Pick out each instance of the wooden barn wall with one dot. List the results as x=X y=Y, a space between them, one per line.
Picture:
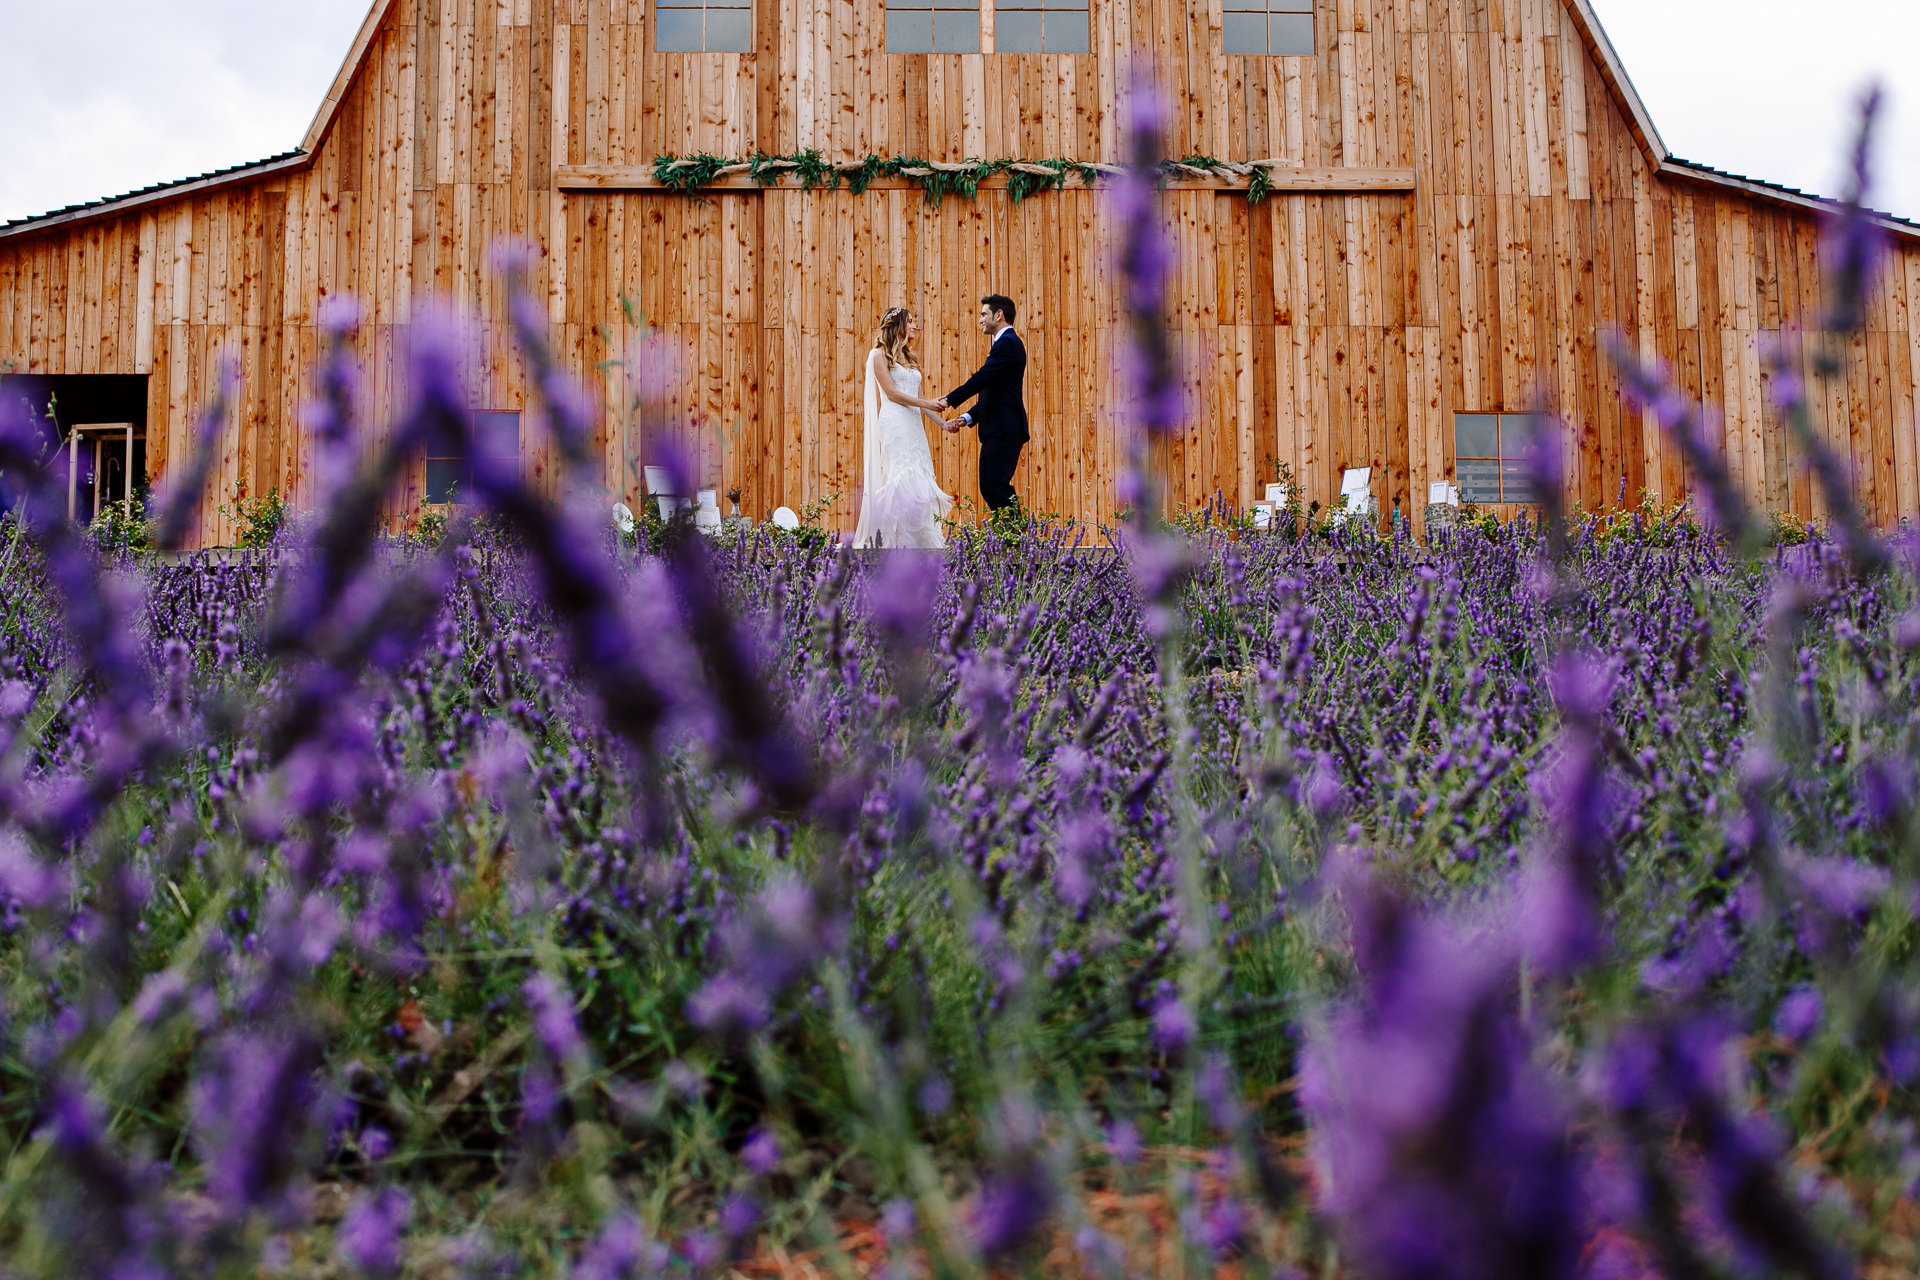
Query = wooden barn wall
x=1323 y=330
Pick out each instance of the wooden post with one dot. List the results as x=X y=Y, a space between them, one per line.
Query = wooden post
x=73 y=474
x=127 y=475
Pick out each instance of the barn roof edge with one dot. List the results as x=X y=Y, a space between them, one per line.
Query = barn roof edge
x=160 y=192
x=349 y=68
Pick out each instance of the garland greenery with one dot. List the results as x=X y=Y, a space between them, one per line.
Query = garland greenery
x=936 y=180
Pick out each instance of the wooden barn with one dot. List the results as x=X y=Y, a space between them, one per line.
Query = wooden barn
x=1465 y=195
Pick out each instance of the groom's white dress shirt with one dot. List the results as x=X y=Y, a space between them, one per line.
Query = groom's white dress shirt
x=967 y=417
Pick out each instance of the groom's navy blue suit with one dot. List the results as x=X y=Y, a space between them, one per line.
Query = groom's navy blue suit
x=1001 y=415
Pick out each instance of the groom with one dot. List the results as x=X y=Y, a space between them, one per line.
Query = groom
x=1001 y=414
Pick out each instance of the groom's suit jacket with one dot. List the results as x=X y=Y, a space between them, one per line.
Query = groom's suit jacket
x=1002 y=411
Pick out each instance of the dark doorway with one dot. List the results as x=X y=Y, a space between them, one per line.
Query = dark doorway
x=89 y=403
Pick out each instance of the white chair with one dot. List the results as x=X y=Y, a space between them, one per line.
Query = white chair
x=623 y=517
x=660 y=489
x=785 y=518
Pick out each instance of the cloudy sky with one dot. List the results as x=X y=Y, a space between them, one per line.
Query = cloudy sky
x=98 y=97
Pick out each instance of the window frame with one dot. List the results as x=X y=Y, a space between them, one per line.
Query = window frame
x=653 y=27
x=983 y=15
x=1508 y=467
x=429 y=457
x=1045 y=9
x=1269 y=11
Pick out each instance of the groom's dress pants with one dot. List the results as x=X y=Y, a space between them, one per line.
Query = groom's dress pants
x=999 y=459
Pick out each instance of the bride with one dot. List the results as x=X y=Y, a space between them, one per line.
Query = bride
x=902 y=504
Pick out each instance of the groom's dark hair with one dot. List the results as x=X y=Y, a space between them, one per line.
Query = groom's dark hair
x=999 y=302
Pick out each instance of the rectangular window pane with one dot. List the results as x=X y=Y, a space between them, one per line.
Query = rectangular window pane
x=1016 y=32
x=729 y=31
x=1076 y=6
x=446 y=479
x=1517 y=431
x=1479 y=481
x=1249 y=6
x=909 y=4
x=1292 y=6
x=680 y=4
x=677 y=30
x=1513 y=483
x=1066 y=33
x=1293 y=34
x=497 y=435
x=909 y=32
x=1001 y=6
x=1244 y=32
x=956 y=31
x=1476 y=435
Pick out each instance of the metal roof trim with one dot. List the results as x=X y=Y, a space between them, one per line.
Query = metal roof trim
x=1776 y=193
x=159 y=194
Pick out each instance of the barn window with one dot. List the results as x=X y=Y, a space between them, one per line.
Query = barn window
x=703 y=26
x=933 y=26
x=450 y=474
x=1268 y=26
x=1040 y=26
x=1490 y=455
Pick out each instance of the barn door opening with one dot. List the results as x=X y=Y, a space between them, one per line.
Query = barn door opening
x=100 y=423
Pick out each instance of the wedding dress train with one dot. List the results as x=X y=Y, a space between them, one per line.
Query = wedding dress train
x=901 y=503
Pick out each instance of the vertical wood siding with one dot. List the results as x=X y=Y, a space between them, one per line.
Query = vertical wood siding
x=1322 y=330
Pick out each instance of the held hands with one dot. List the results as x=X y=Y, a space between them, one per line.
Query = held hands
x=949 y=425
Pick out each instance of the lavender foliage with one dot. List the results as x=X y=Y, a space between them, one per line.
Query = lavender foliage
x=1527 y=901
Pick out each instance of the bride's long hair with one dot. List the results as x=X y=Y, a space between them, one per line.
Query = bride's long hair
x=893 y=339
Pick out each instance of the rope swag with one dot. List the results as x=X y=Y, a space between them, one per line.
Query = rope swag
x=938 y=179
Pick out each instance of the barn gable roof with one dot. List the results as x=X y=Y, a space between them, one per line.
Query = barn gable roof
x=1587 y=26
x=159 y=193
x=349 y=68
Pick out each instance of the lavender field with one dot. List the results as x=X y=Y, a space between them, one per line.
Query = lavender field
x=1168 y=900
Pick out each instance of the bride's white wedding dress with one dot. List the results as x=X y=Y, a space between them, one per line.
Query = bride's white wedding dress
x=901 y=503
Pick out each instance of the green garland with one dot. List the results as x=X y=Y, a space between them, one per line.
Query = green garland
x=936 y=180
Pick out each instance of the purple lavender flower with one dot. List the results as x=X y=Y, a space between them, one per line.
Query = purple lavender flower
x=761 y=1153
x=1647 y=385
x=1173 y=1026
x=255 y=1108
x=1015 y=1202
x=1443 y=1150
x=371 y=1233
x=1675 y=1069
x=739 y=1215
x=621 y=1252
x=553 y=1020
x=1799 y=1015
x=1123 y=1143
x=1146 y=260
x=178 y=502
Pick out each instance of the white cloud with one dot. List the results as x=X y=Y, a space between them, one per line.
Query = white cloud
x=99 y=97
x=1767 y=88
